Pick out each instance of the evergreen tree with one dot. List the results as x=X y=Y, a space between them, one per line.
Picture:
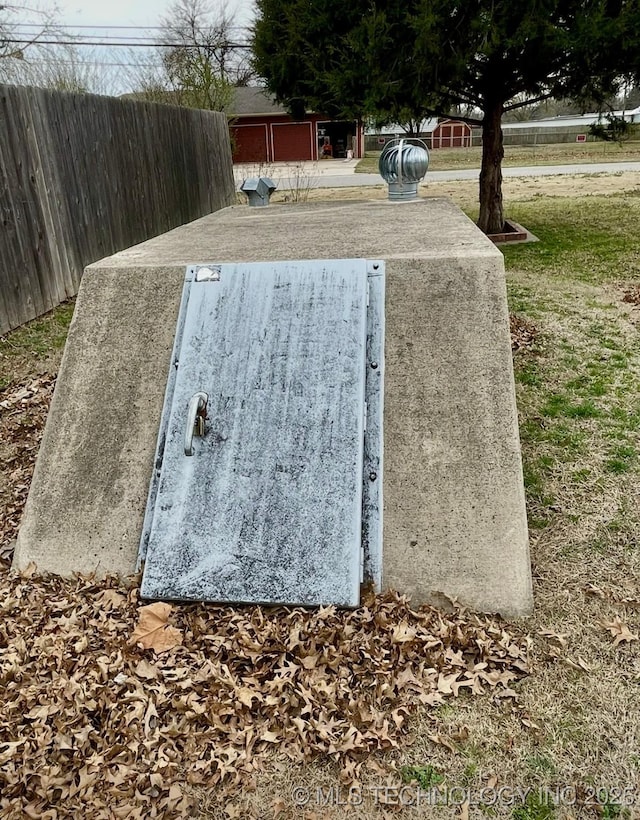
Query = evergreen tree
x=400 y=60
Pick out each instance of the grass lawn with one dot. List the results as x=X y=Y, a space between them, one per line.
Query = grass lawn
x=578 y=394
x=568 y=731
x=447 y=159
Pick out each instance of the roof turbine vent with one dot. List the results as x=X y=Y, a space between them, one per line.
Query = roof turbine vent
x=403 y=163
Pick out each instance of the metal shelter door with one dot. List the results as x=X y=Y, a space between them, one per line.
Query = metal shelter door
x=258 y=491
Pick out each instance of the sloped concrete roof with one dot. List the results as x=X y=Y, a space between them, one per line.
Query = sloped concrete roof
x=454 y=513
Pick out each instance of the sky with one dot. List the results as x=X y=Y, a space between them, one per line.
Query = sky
x=127 y=13
x=108 y=21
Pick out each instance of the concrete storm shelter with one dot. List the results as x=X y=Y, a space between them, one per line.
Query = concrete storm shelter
x=276 y=404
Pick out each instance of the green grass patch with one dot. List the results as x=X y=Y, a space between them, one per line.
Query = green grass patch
x=622 y=459
x=41 y=336
x=614 y=811
x=577 y=393
x=559 y=404
x=540 y=764
x=580 y=239
x=535 y=807
x=34 y=342
x=528 y=373
x=581 y=476
x=560 y=435
x=536 y=483
x=588 y=385
x=523 y=300
x=427 y=777
x=619 y=360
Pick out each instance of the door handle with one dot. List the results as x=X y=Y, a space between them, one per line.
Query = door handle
x=196 y=414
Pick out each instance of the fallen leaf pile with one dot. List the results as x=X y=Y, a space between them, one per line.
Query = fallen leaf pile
x=23 y=411
x=523 y=333
x=90 y=717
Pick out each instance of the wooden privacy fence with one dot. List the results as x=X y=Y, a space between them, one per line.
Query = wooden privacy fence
x=82 y=177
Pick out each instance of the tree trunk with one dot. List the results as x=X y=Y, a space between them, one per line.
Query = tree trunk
x=491 y=219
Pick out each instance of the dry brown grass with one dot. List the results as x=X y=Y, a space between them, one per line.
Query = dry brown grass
x=442 y=159
x=515 y=189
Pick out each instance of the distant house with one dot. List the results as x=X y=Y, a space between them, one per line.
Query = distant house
x=262 y=131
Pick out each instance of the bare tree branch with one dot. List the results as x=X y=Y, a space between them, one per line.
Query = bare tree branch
x=10 y=16
x=526 y=102
x=199 y=56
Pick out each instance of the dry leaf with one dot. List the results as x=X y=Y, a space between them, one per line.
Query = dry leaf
x=403 y=633
x=153 y=630
x=523 y=333
x=443 y=741
x=530 y=724
x=146 y=670
x=8 y=750
x=278 y=806
x=561 y=639
x=460 y=734
x=270 y=737
x=110 y=598
x=507 y=693
x=579 y=663
x=247 y=696
x=619 y=630
x=445 y=683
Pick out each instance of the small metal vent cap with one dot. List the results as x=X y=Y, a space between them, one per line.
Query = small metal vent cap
x=258 y=190
x=403 y=163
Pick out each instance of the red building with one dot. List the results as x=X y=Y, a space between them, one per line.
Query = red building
x=451 y=134
x=262 y=131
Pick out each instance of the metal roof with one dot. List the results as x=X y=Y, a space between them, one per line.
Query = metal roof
x=569 y=121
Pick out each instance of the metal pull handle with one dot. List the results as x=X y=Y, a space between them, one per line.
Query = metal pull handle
x=196 y=415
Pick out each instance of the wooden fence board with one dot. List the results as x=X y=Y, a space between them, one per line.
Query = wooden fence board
x=82 y=177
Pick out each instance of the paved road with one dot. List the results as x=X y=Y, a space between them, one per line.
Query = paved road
x=322 y=180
